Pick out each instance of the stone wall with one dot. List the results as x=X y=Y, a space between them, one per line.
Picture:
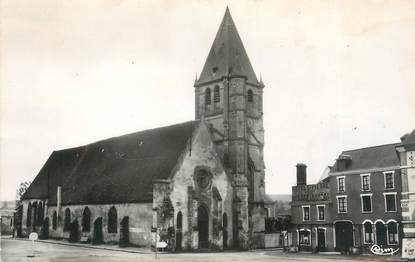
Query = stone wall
x=140 y=221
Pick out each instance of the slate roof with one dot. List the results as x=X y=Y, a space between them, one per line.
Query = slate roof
x=116 y=170
x=227 y=55
x=53 y=173
x=382 y=156
x=408 y=141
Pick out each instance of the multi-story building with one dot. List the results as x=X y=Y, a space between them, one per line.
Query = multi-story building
x=406 y=151
x=366 y=189
x=310 y=213
x=355 y=205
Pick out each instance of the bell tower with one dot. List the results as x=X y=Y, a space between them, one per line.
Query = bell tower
x=228 y=96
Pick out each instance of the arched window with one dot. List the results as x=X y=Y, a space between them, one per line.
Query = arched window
x=29 y=215
x=34 y=214
x=216 y=94
x=392 y=233
x=67 y=220
x=208 y=98
x=368 y=232
x=86 y=220
x=179 y=221
x=54 y=220
x=112 y=220
x=39 y=217
x=250 y=96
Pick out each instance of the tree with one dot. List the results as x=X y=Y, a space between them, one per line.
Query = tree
x=22 y=189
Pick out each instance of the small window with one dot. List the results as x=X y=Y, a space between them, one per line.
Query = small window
x=366 y=203
x=112 y=220
x=342 y=204
x=389 y=180
x=340 y=184
x=368 y=233
x=54 y=220
x=86 y=220
x=306 y=213
x=320 y=213
x=208 y=99
x=67 y=219
x=250 y=96
x=390 y=202
x=365 y=182
x=392 y=233
x=304 y=237
x=216 y=94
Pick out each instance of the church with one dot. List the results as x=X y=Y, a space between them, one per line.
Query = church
x=197 y=185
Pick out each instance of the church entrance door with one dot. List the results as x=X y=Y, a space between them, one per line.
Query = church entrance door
x=124 y=232
x=203 y=226
x=97 y=237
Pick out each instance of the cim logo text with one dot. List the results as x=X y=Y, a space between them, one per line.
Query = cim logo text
x=389 y=251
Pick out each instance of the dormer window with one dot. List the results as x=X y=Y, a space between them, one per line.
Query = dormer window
x=250 y=96
x=216 y=94
x=208 y=99
x=215 y=69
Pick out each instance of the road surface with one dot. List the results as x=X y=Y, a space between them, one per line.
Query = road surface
x=19 y=250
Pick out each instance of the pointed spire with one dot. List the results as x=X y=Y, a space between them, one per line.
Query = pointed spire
x=227 y=55
x=195 y=79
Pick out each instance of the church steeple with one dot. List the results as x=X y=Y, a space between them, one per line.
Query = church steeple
x=227 y=56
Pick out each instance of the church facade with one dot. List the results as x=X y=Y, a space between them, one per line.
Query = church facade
x=195 y=185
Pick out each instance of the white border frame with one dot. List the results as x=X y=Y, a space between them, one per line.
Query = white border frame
x=393 y=179
x=344 y=183
x=324 y=212
x=364 y=232
x=396 y=204
x=387 y=232
x=371 y=203
x=361 y=182
x=337 y=203
x=298 y=234
x=309 y=212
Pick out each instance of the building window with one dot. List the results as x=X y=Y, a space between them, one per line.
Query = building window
x=250 y=96
x=341 y=187
x=208 y=98
x=67 y=219
x=365 y=179
x=216 y=94
x=390 y=202
x=304 y=237
x=320 y=213
x=341 y=204
x=392 y=233
x=389 y=180
x=29 y=215
x=306 y=213
x=366 y=203
x=112 y=220
x=86 y=220
x=54 y=220
x=368 y=232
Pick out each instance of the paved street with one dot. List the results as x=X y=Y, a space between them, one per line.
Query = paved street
x=18 y=250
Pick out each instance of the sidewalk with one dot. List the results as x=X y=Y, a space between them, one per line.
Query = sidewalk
x=138 y=250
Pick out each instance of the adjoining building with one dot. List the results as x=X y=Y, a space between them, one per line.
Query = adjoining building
x=355 y=206
x=198 y=184
x=406 y=151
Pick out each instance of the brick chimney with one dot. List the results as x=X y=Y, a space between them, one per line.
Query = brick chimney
x=301 y=174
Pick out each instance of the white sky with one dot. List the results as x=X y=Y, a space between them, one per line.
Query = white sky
x=339 y=75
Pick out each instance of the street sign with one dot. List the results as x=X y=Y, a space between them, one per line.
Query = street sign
x=33 y=236
x=161 y=244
